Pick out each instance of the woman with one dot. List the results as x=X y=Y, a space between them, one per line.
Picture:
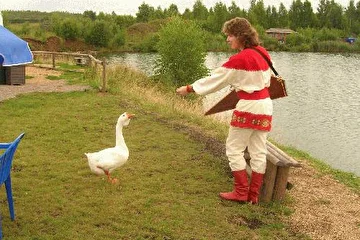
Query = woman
x=249 y=74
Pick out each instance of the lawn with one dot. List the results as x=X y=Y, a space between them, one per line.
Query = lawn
x=168 y=189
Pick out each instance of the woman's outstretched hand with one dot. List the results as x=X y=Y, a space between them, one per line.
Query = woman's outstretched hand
x=182 y=91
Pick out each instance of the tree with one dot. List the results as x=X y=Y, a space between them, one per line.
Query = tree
x=257 y=13
x=172 y=11
x=283 y=16
x=181 y=51
x=330 y=14
x=200 y=12
x=322 y=13
x=295 y=14
x=187 y=14
x=158 y=13
x=124 y=21
x=99 y=34
x=301 y=15
x=69 y=29
x=90 y=14
x=336 y=16
x=119 y=39
x=217 y=17
x=235 y=11
x=145 y=13
x=308 y=15
x=353 y=18
x=272 y=16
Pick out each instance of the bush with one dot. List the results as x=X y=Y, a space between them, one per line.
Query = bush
x=295 y=39
x=118 y=40
x=182 y=52
x=148 y=44
x=326 y=34
x=332 y=46
x=99 y=34
x=270 y=43
x=69 y=29
x=216 y=42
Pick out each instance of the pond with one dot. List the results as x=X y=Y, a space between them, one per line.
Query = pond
x=321 y=115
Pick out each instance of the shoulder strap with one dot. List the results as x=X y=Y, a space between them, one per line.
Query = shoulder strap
x=266 y=59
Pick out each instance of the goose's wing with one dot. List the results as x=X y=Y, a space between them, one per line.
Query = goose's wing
x=108 y=159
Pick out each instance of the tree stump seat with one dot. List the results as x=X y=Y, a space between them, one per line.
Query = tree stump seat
x=276 y=176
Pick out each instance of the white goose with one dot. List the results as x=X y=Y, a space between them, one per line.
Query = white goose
x=107 y=160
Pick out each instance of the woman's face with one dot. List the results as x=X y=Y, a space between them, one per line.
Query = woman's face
x=233 y=42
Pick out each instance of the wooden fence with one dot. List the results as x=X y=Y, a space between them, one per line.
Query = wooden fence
x=80 y=59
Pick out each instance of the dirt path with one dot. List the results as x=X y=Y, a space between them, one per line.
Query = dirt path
x=324 y=208
x=38 y=83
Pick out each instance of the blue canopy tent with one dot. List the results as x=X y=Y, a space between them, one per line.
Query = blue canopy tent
x=13 y=50
x=14 y=54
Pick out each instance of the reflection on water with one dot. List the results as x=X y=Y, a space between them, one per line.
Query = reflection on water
x=321 y=115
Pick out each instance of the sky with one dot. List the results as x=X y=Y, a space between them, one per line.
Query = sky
x=130 y=7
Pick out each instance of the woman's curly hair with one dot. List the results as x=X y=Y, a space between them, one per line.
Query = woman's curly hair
x=242 y=30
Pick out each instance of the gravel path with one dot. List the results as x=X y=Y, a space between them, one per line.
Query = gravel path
x=324 y=208
x=38 y=83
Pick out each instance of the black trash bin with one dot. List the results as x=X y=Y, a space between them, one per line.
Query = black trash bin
x=15 y=75
x=2 y=75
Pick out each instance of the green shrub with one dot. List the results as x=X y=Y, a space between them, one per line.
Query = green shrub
x=99 y=34
x=182 y=52
x=326 y=34
x=270 y=43
x=331 y=46
x=295 y=39
x=215 y=42
x=148 y=44
x=69 y=29
x=118 y=40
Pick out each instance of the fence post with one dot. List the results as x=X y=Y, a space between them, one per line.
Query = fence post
x=103 y=89
x=53 y=60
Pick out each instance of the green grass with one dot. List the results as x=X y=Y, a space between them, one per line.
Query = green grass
x=168 y=189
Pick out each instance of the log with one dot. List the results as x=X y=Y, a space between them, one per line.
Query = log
x=268 y=183
x=275 y=160
x=289 y=160
x=281 y=183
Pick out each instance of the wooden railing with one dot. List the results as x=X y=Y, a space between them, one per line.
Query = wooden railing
x=79 y=58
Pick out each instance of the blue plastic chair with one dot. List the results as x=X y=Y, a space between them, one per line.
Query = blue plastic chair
x=5 y=168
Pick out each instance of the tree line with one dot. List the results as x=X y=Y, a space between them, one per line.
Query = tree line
x=329 y=14
x=329 y=22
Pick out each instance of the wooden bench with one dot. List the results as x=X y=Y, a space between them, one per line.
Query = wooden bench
x=276 y=176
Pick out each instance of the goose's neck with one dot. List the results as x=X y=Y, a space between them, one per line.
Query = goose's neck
x=120 y=142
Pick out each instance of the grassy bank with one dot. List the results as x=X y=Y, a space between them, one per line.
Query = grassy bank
x=167 y=190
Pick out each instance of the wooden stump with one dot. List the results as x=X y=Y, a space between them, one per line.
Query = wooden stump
x=276 y=176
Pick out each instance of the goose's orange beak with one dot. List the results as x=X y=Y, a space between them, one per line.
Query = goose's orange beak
x=129 y=115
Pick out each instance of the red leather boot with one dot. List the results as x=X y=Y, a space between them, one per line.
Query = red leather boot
x=255 y=186
x=241 y=188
